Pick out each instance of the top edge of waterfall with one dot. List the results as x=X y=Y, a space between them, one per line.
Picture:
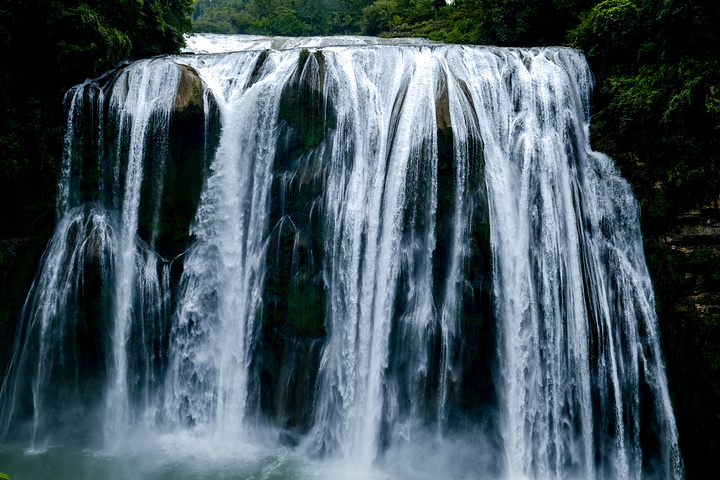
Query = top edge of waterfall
x=214 y=43
x=208 y=43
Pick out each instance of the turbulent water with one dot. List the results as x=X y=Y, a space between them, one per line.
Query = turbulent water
x=339 y=257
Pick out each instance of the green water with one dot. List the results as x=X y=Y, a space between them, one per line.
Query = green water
x=181 y=458
x=62 y=463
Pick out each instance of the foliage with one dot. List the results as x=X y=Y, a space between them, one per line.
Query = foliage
x=658 y=81
x=4 y=477
x=518 y=22
x=378 y=15
x=610 y=31
x=500 y=22
x=284 y=21
x=86 y=39
x=278 y=17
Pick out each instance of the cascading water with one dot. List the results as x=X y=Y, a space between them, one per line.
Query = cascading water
x=376 y=251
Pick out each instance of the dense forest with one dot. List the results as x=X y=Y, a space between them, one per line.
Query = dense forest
x=656 y=112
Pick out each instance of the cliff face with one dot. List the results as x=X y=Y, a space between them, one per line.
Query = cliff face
x=21 y=256
x=685 y=264
x=25 y=237
x=695 y=228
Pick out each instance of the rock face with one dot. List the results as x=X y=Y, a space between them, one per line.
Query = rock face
x=696 y=227
x=685 y=264
x=165 y=220
x=294 y=295
x=189 y=99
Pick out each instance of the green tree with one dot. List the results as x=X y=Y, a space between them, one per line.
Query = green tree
x=378 y=15
x=281 y=17
x=522 y=22
x=283 y=21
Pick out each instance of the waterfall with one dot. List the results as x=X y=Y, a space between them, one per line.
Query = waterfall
x=355 y=246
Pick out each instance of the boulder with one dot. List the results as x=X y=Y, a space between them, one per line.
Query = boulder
x=189 y=99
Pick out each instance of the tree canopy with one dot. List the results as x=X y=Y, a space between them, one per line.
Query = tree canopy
x=501 y=22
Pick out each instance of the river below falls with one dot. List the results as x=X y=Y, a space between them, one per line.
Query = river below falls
x=178 y=457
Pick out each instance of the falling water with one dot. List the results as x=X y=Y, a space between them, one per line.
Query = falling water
x=360 y=247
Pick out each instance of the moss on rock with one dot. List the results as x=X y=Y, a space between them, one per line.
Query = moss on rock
x=174 y=173
x=189 y=98
x=304 y=108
